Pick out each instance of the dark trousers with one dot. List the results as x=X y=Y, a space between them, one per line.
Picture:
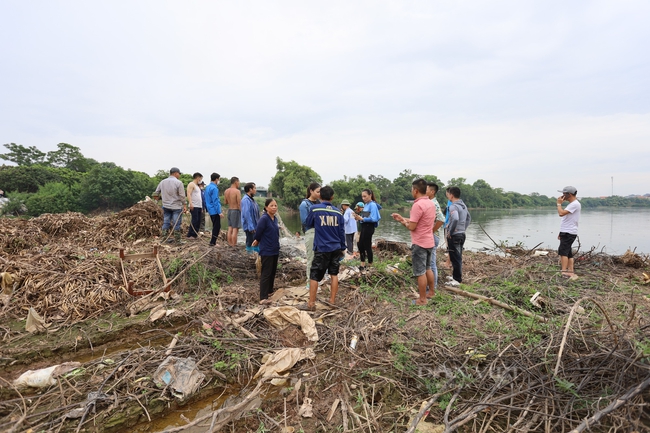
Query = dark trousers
x=250 y=237
x=455 y=248
x=197 y=214
x=202 y=225
x=365 y=241
x=267 y=276
x=349 y=241
x=216 y=228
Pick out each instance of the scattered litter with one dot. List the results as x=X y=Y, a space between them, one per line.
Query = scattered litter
x=393 y=269
x=159 y=312
x=45 y=376
x=6 y=287
x=35 y=322
x=283 y=360
x=538 y=301
x=180 y=375
x=539 y=253
x=306 y=410
x=281 y=317
x=475 y=355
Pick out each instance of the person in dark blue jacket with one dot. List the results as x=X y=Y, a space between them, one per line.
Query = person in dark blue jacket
x=267 y=237
x=329 y=244
x=250 y=214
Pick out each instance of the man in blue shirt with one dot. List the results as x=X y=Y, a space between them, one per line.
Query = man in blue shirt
x=250 y=214
x=329 y=244
x=213 y=204
x=350 y=225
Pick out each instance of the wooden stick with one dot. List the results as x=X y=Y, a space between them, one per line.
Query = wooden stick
x=620 y=401
x=565 y=334
x=333 y=409
x=493 y=301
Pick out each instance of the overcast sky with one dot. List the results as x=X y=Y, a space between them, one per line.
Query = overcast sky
x=530 y=96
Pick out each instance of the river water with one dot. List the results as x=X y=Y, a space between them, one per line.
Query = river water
x=612 y=229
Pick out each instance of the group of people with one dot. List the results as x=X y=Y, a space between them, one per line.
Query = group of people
x=329 y=231
x=202 y=200
x=425 y=223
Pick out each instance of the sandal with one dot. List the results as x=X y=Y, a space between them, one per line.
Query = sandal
x=266 y=302
x=306 y=307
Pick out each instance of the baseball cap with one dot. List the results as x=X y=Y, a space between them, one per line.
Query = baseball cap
x=569 y=189
x=174 y=170
x=347 y=202
x=360 y=204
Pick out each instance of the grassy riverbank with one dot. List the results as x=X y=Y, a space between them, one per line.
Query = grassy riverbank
x=480 y=366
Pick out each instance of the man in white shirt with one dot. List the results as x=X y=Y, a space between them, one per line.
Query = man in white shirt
x=568 y=228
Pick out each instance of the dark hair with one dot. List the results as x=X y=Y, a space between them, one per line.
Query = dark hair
x=312 y=187
x=433 y=186
x=268 y=202
x=454 y=191
x=233 y=179
x=326 y=193
x=420 y=185
x=249 y=186
x=214 y=176
x=370 y=193
x=197 y=174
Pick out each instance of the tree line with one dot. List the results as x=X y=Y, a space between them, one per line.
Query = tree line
x=65 y=180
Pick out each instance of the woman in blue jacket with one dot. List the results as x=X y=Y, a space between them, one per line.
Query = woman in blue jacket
x=267 y=236
x=369 y=220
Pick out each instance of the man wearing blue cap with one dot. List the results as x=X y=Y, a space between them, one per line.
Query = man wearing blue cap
x=568 y=228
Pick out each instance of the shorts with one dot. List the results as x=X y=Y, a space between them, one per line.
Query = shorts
x=322 y=262
x=234 y=218
x=566 y=240
x=421 y=258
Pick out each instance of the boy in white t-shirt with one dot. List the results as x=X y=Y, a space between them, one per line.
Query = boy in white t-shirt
x=568 y=228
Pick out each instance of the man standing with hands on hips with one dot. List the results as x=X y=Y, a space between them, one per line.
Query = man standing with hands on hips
x=568 y=228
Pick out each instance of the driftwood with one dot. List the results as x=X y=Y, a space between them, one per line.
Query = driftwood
x=400 y=248
x=493 y=301
x=620 y=401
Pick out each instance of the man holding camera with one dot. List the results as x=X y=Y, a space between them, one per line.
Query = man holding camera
x=568 y=228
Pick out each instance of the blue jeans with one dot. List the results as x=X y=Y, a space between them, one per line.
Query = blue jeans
x=434 y=265
x=172 y=216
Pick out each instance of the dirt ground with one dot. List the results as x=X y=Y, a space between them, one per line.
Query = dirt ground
x=478 y=358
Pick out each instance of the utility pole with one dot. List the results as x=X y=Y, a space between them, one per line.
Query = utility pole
x=612 y=186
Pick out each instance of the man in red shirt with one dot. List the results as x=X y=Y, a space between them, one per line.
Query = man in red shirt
x=420 y=223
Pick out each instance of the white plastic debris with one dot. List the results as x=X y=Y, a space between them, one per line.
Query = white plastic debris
x=45 y=376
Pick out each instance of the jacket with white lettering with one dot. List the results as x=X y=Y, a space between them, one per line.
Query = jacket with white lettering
x=327 y=221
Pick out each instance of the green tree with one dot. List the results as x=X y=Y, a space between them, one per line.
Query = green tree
x=402 y=186
x=108 y=186
x=70 y=157
x=24 y=178
x=384 y=189
x=350 y=188
x=21 y=155
x=291 y=181
x=54 y=197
